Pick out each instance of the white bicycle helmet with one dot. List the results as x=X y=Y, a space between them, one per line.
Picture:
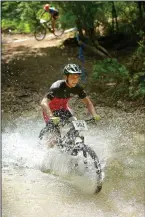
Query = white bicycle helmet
x=72 y=69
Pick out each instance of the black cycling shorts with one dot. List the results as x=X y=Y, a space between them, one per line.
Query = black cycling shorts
x=55 y=15
x=52 y=128
x=63 y=114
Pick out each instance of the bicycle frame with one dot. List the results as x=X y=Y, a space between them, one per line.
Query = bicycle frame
x=68 y=141
x=46 y=23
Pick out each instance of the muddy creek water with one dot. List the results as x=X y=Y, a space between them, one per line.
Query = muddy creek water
x=27 y=191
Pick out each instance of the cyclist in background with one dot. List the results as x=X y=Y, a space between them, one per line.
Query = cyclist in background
x=54 y=14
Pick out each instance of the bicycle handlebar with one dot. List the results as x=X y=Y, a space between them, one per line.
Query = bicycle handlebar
x=75 y=119
x=90 y=120
x=86 y=120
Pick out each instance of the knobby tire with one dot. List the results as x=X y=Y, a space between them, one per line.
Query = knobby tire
x=40 y=30
x=88 y=151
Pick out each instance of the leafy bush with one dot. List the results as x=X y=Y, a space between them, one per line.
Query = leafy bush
x=141 y=48
x=68 y=19
x=137 y=72
x=110 y=70
x=24 y=27
x=136 y=63
x=137 y=86
x=16 y=27
x=9 y=24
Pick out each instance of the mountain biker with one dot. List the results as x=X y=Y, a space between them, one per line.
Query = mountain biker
x=55 y=102
x=53 y=12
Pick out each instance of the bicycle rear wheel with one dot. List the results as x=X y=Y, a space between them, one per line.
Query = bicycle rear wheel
x=40 y=33
x=91 y=164
x=59 y=28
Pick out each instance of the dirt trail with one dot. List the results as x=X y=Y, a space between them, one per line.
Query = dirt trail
x=22 y=44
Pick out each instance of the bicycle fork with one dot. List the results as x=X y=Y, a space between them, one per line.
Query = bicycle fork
x=80 y=147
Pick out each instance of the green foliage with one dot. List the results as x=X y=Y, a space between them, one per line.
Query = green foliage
x=87 y=13
x=10 y=10
x=68 y=19
x=24 y=27
x=9 y=24
x=141 y=48
x=81 y=13
x=110 y=70
x=21 y=16
x=136 y=63
x=137 y=86
x=137 y=82
x=111 y=77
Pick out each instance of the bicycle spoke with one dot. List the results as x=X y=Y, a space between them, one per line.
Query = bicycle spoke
x=40 y=33
x=59 y=29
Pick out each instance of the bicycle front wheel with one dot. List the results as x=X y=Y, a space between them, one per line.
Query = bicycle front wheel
x=40 y=33
x=59 y=28
x=90 y=165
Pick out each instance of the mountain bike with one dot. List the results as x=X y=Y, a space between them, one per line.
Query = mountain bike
x=73 y=144
x=44 y=26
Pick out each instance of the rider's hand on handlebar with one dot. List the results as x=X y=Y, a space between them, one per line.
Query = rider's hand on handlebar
x=55 y=120
x=97 y=117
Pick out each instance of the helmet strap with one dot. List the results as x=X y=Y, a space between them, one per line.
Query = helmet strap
x=68 y=82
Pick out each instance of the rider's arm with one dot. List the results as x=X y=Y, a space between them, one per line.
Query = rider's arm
x=42 y=13
x=89 y=106
x=45 y=106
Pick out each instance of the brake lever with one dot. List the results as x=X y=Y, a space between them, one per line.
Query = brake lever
x=90 y=120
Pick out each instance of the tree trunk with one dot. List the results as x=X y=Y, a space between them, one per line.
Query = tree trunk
x=95 y=51
x=143 y=4
x=140 y=11
x=141 y=8
x=79 y=27
x=91 y=43
x=114 y=18
x=86 y=22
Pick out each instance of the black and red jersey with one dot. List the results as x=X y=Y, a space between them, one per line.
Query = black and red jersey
x=59 y=94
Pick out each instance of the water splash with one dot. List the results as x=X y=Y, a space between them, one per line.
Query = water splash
x=21 y=149
x=122 y=159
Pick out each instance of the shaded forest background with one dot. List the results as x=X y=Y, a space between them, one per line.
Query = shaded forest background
x=101 y=26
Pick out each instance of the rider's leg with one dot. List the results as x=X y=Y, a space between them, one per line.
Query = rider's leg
x=52 y=130
x=50 y=134
x=64 y=114
x=54 y=18
x=53 y=24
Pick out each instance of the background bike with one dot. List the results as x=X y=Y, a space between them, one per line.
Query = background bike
x=73 y=144
x=44 y=26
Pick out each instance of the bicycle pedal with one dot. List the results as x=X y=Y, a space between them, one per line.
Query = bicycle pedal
x=50 y=30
